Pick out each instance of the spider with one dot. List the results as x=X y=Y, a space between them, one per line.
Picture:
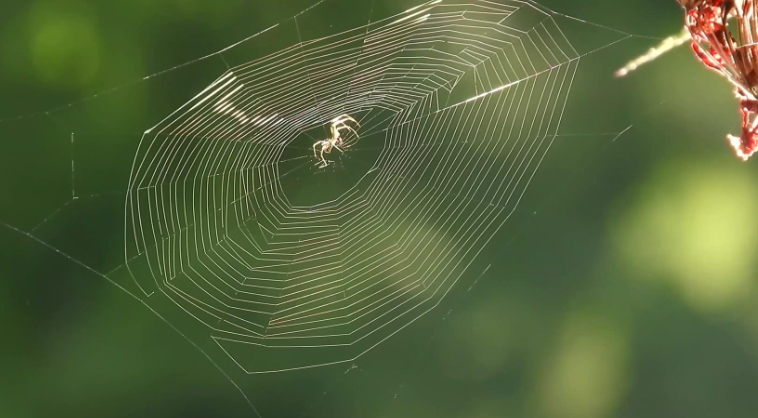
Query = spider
x=335 y=141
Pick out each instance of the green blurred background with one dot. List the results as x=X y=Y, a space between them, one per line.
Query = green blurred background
x=624 y=286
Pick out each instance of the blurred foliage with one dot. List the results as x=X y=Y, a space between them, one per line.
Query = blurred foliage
x=625 y=286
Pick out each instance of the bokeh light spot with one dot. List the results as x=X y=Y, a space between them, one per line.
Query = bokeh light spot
x=585 y=378
x=64 y=44
x=693 y=226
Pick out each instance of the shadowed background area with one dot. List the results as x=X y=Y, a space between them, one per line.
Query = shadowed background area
x=623 y=285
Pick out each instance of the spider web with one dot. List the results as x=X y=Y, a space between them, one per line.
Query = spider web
x=267 y=262
x=209 y=213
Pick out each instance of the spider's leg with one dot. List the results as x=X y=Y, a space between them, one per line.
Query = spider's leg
x=340 y=120
x=347 y=127
x=343 y=126
x=319 y=154
x=323 y=160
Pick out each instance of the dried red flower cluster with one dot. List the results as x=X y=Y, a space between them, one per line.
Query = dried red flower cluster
x=734 y=56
